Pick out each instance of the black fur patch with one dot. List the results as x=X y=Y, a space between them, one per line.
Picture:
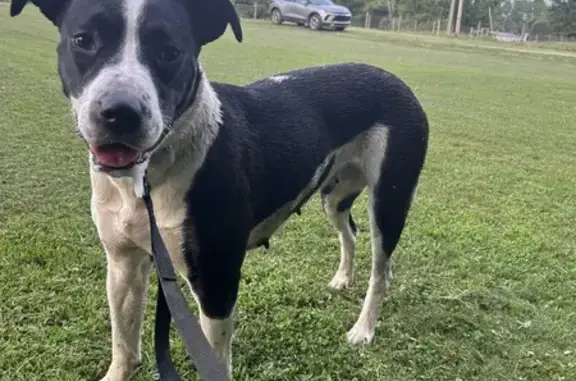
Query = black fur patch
x=273 y=138
x=347 y=202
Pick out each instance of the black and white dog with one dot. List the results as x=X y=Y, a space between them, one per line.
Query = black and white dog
x=227 y=164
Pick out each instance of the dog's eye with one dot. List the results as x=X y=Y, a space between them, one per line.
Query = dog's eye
x=168 y=54
x=83 y=41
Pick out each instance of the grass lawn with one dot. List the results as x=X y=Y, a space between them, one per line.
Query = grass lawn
x=485 y=285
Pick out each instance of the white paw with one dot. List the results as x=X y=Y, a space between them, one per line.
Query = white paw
x=360 y=334
x=120 y=373
x=114 y=378
x=340 y=281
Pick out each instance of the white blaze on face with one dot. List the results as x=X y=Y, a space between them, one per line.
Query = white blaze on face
x=125 y=72
x=133 y=10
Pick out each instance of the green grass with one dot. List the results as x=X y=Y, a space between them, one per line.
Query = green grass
x=561 y=49
x=485 y=285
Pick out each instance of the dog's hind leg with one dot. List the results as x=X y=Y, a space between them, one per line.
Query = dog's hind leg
x=337 y=199
x=392 y=161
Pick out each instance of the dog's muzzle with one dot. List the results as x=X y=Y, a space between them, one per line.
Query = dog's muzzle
x=122 y=121
x=120 y=113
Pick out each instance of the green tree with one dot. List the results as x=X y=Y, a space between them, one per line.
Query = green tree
x=519 y=16
x=422 y=9
x=562 y=17
x=528 y=12
x=355 y=6
x=477 y=11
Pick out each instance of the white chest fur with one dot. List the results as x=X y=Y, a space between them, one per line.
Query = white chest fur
x=122 y=220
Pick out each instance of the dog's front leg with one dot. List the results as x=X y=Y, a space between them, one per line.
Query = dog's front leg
x=218 y=331
x=216 y=292
x=126 y=283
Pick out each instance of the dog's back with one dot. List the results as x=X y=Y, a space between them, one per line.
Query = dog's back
x=342 y=98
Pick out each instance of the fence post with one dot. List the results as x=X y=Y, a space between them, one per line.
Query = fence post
x=255 y=9
x=449 y=27
x=459 y=17
x=438 y=30
x=368 y=20
x=415 y=25
x=399 y=23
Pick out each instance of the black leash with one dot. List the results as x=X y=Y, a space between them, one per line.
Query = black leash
x=171 y=304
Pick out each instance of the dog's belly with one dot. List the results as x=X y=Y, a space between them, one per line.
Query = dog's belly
x=260 y=235
x=262 y=232
x=360 y=152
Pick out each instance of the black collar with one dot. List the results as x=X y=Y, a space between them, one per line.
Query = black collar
x=190 y=97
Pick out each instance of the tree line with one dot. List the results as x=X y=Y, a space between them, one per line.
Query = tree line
x=537 y=17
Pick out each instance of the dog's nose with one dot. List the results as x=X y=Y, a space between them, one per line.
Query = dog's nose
x=120 y=113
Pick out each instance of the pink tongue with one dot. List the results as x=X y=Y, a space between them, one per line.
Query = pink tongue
x=114 y=155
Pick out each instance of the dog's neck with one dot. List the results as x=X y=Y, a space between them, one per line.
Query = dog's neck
x=192 y=134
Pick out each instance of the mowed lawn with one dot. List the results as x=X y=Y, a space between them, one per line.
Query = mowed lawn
x=485 y=280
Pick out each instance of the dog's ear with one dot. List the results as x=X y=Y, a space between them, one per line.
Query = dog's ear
x=211 y=18
x=52 y=9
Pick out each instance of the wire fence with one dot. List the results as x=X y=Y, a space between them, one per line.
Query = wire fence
x=259 y=9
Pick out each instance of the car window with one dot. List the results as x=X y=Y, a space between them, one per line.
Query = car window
x=321 y=2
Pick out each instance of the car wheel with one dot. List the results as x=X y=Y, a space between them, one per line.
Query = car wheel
x=276 y=16
x=315 y=22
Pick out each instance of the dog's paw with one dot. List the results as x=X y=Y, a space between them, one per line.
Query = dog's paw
x=113 y=377
x=120 y=373
x=340 y=281
x=360 y=334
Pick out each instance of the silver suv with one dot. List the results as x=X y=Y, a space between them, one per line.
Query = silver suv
x=317 y=14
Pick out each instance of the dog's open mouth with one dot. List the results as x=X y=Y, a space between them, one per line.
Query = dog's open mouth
x=116 y=156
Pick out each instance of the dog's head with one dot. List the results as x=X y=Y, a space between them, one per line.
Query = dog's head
x=130 y=67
